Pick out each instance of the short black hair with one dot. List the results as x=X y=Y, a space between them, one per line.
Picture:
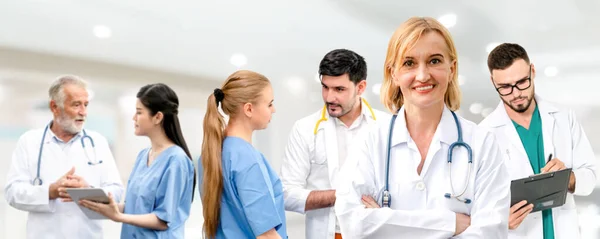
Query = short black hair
x=504 y=55
x=344 y=61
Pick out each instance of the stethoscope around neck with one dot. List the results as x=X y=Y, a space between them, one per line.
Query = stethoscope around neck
x=386 y=200
x=324 y=115
x=37 y=180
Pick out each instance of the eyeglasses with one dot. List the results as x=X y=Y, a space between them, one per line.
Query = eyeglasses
x=522 y=84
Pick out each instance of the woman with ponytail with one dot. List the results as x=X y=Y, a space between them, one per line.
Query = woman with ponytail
x=161 y=185
x=242 y=196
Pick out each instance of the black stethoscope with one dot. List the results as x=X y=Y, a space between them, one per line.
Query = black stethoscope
x=37 y=180
x=387 y=198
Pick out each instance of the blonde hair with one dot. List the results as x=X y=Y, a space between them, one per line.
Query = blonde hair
x=240 y=88
x=404 y=39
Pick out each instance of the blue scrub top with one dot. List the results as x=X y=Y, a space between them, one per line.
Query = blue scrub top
x=252 y=198
x=164 y=188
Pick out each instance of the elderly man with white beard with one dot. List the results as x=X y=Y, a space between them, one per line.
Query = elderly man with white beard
x=61 y=155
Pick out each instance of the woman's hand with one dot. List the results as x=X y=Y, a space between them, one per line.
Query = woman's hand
x=369 y=202
x=110 y=210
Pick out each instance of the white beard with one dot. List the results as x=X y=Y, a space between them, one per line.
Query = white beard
x=68 y=124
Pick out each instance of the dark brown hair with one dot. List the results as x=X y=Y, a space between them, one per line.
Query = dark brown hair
x=504 y=55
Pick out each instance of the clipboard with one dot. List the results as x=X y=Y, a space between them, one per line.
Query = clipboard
x=544 y=191
x=92 y=194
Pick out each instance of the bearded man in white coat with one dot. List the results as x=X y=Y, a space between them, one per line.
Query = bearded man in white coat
x=537 y=136
x=319 y=143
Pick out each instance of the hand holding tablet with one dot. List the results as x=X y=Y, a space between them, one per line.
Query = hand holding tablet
x=92 y=194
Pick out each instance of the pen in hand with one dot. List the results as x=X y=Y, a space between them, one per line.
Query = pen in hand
x=544 y=169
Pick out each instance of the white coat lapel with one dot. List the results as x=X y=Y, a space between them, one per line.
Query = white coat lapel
x=446 y=132
x=514 y=148
x=511 y=133
x=331 y=149
x=516 y=154
x=546 y=112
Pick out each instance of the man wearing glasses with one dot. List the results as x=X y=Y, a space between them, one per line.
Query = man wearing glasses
x=537 y=137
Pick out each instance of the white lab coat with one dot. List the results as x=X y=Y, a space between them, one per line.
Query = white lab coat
x=311 y=163
x=418 y=206
x=51 y=219
x=565 y=139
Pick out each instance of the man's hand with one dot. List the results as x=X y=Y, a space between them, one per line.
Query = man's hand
x=69 y=180
x=73 y=181
x=53 y=191
x=318 y=199
x=76 y=181
x=556 y=165
x=572 y=182
x=517 y=215
x=553 y=165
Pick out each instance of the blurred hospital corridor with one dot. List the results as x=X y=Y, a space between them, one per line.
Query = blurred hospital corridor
x=119 y=46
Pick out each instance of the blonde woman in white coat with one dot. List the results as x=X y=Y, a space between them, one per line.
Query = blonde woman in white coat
x=428 y=197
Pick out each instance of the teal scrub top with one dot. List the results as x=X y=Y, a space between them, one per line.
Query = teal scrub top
x=533 y=142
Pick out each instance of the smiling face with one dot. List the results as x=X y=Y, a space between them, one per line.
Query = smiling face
x=424 y=72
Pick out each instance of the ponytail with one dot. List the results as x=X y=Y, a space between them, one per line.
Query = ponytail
x=212 y=184
x=240 y=87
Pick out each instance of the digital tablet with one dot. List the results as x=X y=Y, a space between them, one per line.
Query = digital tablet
x=91 y=194
x=544 y=191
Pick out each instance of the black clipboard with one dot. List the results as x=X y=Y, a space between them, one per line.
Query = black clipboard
x=544 y=191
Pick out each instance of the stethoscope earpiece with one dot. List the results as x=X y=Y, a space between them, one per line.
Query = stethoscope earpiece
x=466 y=200
x=99 y=162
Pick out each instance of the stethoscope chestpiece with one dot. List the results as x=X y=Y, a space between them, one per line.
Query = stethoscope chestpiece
x=37 y=181
x=386 y=199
